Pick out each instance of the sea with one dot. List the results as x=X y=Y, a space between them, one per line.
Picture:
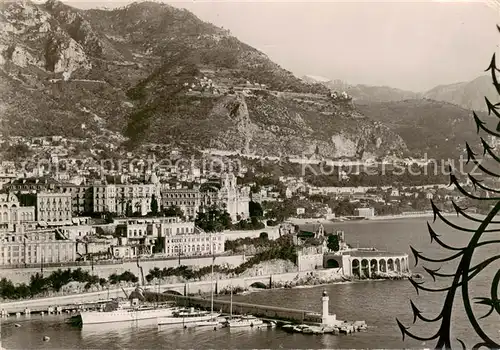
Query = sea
x=379 y=303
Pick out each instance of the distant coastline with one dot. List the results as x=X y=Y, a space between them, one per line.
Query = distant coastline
x=309 y=221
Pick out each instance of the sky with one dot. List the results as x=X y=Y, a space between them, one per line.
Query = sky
x=408 y=45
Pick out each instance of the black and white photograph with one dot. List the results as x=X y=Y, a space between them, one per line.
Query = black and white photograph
x=249 y=174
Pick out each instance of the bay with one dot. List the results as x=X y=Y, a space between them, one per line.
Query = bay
x=379 y=303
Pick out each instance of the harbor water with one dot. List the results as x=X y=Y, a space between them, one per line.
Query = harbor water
x=378 y=303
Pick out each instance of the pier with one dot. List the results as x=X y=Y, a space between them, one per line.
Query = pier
x=240 y=308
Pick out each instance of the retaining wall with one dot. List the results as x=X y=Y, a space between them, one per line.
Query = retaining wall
x=182 y=288
x=23 y=275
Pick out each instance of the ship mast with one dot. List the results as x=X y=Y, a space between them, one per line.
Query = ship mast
x=212 y=278
x=231 y=303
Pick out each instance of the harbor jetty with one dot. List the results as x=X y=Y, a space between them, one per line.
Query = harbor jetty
x=285 y=316
x=292 y=320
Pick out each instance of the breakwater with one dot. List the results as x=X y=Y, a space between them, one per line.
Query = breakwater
x=241 y=308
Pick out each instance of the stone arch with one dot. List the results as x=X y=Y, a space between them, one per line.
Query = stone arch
x=332 y=263
x=374 y=266
x=390 y=264
x=355 y=267
x=174 y=292
x=404 y=264
x=365 y=268
x=398 y=265
x=382 y=265
x=258 y=285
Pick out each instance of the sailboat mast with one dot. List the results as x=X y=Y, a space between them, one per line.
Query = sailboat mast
x=212 y=277
x=231 y=303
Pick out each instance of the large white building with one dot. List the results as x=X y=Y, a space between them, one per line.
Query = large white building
x=35 y=247
x=116 y=198
x=166 y=235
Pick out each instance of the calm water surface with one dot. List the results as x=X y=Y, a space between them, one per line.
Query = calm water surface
x=376 y=302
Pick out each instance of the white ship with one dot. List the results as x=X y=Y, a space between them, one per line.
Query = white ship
x=245 y=321
x=125 y=314
x=189 y=317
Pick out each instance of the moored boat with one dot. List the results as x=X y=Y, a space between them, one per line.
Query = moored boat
x=245 y=321
x=125 y=314
x=209 y=323
x=191 y=316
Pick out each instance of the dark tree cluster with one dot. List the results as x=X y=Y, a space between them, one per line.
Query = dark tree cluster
x=40 y=285
x=213 y=220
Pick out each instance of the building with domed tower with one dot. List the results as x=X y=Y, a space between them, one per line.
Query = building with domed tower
x=229 y=196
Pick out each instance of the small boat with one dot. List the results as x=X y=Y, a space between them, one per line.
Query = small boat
x=245 y=321
x=271 y=324
x=209 y=323
x=189 y=317
x=307 y=330
x=328 y=330
x=300 y=328
x=289 y=328
x=316 y=330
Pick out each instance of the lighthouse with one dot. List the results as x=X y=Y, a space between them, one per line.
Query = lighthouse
x=327 y=319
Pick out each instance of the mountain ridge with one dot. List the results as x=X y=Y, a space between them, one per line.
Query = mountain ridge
x=149 y=72
x=466 y=94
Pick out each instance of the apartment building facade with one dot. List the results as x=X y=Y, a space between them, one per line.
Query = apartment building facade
x=120 y=198
x=35 y=247
x=54 y=208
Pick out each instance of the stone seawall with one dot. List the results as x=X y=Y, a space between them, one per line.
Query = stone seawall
x=272 y=232
x=23 y=275
x=219 y=285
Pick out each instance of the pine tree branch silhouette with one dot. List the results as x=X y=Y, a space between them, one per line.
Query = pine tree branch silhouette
x=464 y=273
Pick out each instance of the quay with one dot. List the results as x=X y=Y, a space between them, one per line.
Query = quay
x=280 y=315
